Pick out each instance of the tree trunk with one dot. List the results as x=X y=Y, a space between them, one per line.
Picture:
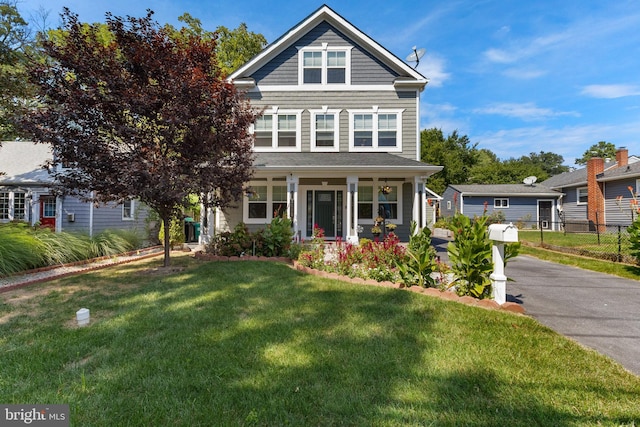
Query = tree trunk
x=167 y=236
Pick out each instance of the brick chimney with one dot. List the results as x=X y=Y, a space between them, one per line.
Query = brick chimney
x=595 y=201
x=622 y=157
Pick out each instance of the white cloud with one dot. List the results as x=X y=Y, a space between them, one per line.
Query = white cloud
x=569 y=141
x=523 y=74
x=610 y=91
x=433 y=67
x=527 y=111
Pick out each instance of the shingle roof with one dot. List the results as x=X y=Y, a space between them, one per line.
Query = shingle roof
x=378 y=162
x=632 y=170
x=506 y=190
x=22 y=161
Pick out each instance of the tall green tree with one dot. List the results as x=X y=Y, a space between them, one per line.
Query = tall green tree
x=551 y=163
x=234 y=47
x=511 y=171
x=604 y=149
x=456 y=153
x=147 y=115
x=15 y=44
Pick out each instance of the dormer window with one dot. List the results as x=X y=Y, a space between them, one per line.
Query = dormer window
x=325 y=65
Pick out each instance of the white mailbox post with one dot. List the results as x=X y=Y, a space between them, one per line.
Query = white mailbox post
x=500 y=234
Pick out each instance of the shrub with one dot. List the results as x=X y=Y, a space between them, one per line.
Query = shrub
x=470 y=256
x=420 y=259
x=277 y=237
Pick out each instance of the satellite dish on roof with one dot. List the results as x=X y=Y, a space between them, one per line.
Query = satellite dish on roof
x=416 y=55
x=530 y=180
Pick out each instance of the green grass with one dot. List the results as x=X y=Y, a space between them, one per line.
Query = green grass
x=627 y=271
x=258 y=343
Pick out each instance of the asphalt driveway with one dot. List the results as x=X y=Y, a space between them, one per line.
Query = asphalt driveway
x=598 y=310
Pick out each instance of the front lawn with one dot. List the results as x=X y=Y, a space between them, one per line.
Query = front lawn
x=258 y=343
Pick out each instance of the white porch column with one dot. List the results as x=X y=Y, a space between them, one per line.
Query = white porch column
x=58 y=228
x=292 y=203
x=352 y=210
x=419 y=203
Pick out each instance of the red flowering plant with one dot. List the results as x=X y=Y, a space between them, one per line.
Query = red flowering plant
x=313 y=256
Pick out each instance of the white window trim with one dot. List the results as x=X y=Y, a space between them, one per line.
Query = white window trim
x=245 y=201
x=336 y=129
x=275 y=112
x=376 y=203
x=12 y=205
x=375 y=111
x=578 y=202
x=324 y=49
x=495 y=199
x=133 y=211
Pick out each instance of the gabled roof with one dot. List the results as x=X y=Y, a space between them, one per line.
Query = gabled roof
x=578 y=177
x=632 y=170
x=506 y=190
x=370 y=162
x=325 y=13
x=22 y=162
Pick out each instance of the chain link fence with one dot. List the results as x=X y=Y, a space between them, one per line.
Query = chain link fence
x=586 y=238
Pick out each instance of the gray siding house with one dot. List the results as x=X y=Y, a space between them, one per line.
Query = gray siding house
x=599 y=193
x=338 y=142
x=25 y=195
x=532 y=205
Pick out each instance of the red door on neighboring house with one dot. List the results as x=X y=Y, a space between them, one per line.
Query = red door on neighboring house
x=48 y=211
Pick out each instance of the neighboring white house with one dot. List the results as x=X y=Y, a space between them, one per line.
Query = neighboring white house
x=25 y=195
x=341 y=121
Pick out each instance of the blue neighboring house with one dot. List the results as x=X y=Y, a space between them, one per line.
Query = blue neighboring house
x=599 y=193
x=25 y=195
x=533 y=205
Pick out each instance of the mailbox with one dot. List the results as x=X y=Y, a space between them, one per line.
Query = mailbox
x=507 y=233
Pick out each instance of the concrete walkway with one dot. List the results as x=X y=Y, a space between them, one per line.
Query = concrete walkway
x=600 y=311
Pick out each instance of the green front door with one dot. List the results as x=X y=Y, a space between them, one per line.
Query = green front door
x=325 y=212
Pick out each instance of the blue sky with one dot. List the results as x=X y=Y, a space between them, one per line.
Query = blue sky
x=514 y=76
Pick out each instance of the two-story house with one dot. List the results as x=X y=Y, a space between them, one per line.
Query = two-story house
x=338 y=143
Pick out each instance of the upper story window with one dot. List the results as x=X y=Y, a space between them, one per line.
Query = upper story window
x=375 y=130
x=277 y=130
x=582 y=195
x=325 y=65
x=325 y=130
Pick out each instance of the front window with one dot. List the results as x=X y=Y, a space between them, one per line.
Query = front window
x=388 y=203
x=363 y=130
x=257 y=202
x=312 y=65
x=279 y=197
x=264 y=131
x=365 y=202
x=4 y=205
x=264 y=201
x=372 y=202
x=500 y=203
x=377 y=130
x=277 y=131
x=287 y=130
x=325 y=65
x=128 y=210
x=325 y=130
x=19 y=206
x=336 y=67
x=582 y=196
